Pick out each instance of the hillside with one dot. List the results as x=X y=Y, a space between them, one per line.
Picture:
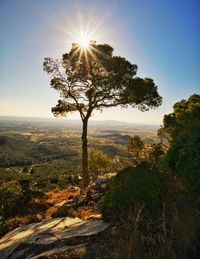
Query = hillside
x=142 y=200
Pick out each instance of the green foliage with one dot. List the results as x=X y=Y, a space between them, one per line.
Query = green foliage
x=112 y=150
x=134 y=143
x=95 y=79
x=134 y=147
x=10 y=195
x=15 y=194
x=156 y=152
x=131 y=189
x=22 y=151
x=183 y=127
x=100 y=163
x=158 y=217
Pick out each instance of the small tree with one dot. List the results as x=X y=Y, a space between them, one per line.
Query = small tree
x=99 y=163
x=134 y=147
x=91 y=78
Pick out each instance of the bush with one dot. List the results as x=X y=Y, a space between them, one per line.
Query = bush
x=15 y=195
x=10 y=193
x=131 y=189
x=158 y=217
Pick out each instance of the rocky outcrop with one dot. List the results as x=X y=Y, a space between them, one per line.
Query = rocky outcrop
x=62 y=234
x=90 y=197
x=44 y=239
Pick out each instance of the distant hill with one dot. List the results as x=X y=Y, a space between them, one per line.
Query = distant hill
x=75 y=123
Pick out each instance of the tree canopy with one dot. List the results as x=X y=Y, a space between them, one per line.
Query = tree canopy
x=95 y=79
x=183 y=130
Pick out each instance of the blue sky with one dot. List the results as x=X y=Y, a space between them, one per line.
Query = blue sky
x=161 y=37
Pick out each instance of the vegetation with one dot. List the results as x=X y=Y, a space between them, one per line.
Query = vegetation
x=140 y=151
x=152 y=203
x=15 y=196
x=43 y=156
x=157 y=217
x=158 y=202
x=89 y=79
x=134 y=147
x=100 y=163
x=131 y=189
x=183 y=130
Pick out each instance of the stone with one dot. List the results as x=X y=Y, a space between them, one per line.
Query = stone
x=48 y=234
x=42 y=239
x=26 y=233
x=85 y=228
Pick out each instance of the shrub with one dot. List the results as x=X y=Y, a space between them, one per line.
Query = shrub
x=159 y=218
x=10 y=193
x=131 y=189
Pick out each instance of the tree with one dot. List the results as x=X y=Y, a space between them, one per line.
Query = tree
x=99 y=162
x=162 y=135
x=134 y=147
x=182 y=128
x=89 y=79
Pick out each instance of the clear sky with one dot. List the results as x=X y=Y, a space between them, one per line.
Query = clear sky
x=161 y=36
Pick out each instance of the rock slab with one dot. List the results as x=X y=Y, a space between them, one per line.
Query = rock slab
x=47 y=237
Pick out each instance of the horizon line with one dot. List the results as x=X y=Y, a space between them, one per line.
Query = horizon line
x=61 y=118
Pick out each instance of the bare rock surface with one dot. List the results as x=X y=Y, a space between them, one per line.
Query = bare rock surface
x=39 y=240
x=85 y=228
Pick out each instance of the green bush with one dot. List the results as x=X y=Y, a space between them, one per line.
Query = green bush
x=158 y=217
x=10 y=195
x=131 y=189
x=16 y=194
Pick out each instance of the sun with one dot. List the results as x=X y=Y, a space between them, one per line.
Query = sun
x=83 y=40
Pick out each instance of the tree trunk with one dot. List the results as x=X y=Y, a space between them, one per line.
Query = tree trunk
x=85 y=172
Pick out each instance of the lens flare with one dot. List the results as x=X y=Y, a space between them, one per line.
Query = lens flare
x=83 y=40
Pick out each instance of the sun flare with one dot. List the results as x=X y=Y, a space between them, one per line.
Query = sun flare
x=83 y=40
